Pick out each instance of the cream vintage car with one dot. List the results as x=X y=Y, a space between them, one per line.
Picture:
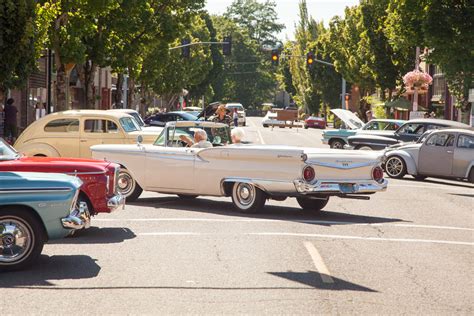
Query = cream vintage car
x=250 y=174
x=72 y=133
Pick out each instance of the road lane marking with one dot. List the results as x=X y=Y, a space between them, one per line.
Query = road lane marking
x=222 y=220
x=319 y=263
x=261 y=137
x=448 y=242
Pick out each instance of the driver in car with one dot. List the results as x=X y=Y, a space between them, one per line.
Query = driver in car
x=200 y=139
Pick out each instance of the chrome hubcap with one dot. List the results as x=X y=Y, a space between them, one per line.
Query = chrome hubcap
x=15 y=240
x=394 y=166
x=125 y=183
x=337 y=145
x=245 y=194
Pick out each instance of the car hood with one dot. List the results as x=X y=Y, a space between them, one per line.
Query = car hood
x=54 y=164
x=349 y=118
x=403 y=146
x=35 y=180
x=375 y=138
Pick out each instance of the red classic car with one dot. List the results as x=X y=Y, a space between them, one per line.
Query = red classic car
x=315 y=122
x=99 y=190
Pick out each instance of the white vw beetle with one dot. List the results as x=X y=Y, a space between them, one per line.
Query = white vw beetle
x=250 y=174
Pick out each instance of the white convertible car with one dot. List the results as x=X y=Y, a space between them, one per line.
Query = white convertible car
x=250 y=174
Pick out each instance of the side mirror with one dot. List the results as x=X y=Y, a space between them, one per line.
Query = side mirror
x=139 y=139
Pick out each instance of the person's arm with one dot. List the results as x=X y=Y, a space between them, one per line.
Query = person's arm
x=186 y=139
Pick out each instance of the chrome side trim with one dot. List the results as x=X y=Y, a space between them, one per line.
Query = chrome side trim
x=33 y=190
x=348 y=166
x=81 y=173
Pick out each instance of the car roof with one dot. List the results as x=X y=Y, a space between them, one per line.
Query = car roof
x=99 y=113
x=440 y=122
x=234 y=104
x=196 y=123
x=455 y=130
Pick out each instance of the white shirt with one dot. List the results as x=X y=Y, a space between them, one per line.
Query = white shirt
x=202 y=144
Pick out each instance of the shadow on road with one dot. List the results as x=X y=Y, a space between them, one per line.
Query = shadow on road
x=314 y=279
x=283 y=213
x=464 y=195
x=50 y=268
x=96 y=235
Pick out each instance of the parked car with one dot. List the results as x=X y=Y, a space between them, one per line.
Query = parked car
x=250 y=174
x=194 y=110
x=315 y=122
x=71 y=133
x=352 y=124
x=408 y=132
x=447 y=153
x=138 y=118
x=281 y=118
x=161 y=119
x=240 y=112
x=99 y=189
x=35 y=208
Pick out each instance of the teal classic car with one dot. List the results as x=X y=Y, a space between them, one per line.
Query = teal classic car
x=34 y=208
x=351 y=125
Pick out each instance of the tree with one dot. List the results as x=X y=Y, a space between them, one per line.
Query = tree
x=258 y=18
x=17 y=39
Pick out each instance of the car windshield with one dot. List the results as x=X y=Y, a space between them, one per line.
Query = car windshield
x=218 y=136
x=138 y=118
x=187 y=117
x=7 y=152
x=129 y=124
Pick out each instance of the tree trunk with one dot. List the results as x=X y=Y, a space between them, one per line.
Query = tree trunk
x=118 y=92
x=131 y=93
x=87 y=74
x=61 y=86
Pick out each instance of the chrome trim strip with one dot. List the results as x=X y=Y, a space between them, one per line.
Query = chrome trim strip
x=80 y=173
x=349 y=165
x=34 y=190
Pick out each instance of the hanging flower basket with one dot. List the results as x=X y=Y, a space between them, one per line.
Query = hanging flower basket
x=417 y=79
x=421 y=89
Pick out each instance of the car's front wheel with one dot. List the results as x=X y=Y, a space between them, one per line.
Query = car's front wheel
x=336 y=144
x=21 y=238
x=312 y=204
x=247 y=198
x=395 y=167
x=127 y=186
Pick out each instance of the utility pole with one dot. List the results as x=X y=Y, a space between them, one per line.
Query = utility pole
x=343 y=94
x=125 y=89
x=415 y=94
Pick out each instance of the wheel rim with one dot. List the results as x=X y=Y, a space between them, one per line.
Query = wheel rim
x=394 y=167
x=245 y=195
x=16 y=240
x=337 y=145
x=125 y=183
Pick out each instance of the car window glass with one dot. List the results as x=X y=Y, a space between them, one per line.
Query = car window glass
x=62 y=126
x=411 y=128
x=100 y=126
x=160 y=141
x=465 y=141
x=129 y=124
x=450 y=141
x=433 y=126
x=440 y=139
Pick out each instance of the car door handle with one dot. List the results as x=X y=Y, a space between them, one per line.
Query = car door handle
x=83 y=140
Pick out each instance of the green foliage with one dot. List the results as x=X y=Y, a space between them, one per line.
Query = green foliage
x=17 y=35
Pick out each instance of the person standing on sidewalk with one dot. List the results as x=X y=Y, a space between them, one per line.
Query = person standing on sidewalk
x=235 y=117
x=10 y=120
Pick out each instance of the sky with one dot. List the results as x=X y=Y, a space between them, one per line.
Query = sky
x=287 y=10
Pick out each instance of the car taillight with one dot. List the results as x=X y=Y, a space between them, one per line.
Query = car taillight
x=308 y=174
x=377 y=174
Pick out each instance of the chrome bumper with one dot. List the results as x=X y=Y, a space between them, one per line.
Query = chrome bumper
x=348 y=147
x=115 y=202
x=79 y=218
x=340 y=188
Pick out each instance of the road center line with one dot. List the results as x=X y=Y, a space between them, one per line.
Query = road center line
x=319 y=263
x=261 y=138
x=252 y=220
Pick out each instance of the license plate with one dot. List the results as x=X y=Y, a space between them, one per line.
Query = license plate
x=346 y=188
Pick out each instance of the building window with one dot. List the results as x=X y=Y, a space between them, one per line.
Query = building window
x=439 y=85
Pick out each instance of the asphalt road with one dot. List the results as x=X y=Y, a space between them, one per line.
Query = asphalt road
x=406 y=251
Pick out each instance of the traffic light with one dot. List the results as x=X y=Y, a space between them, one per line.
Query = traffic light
x=186 y=50
x=275 y=57
x=310 y=59
x=227 y=46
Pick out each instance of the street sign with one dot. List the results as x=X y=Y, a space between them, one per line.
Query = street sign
x=417 y=115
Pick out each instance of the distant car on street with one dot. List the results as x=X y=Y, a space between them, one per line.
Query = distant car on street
x=408 y=132
x=240 y=112
x=161 y=119
x=352 y=124
x=194 y=110
x=139 y=119
x=446 y=153
x=315 y=122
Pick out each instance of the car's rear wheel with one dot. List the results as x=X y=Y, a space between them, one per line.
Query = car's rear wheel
x=247 y=198
x=395 y=167
x=21 y=238
x=336 y=144
x=312 y=204
x=127 y=186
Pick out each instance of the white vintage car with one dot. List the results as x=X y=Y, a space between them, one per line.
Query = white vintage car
x=250 y=174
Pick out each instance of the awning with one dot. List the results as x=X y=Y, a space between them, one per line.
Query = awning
x=400 y=103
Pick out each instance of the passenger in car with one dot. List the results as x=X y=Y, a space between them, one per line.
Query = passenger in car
x=237 y=134
x=200 y=139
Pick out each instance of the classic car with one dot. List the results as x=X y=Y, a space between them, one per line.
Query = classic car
x=139 y=120
x=315 y=122
x=240 y=111
x=71 y=133
x=250 y=174
x=281 y=118
x=161 y=119
x=99 y=177
x=352 y=125
x=35 y=208
x=408 y=132
x=194 y=110
x=446 y=153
